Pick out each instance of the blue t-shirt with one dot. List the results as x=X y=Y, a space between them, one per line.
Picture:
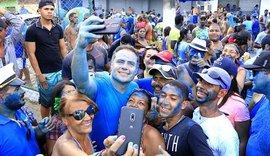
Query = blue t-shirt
x=146 y=84
x=130 y=22
x=231 y=22
x=256 y=26
x=109 y=101
x=13 y=139
x=259 y=140
x=248 y=25
x=182 y=52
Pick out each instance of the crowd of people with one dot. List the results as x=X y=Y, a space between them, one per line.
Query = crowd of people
x=203 y=84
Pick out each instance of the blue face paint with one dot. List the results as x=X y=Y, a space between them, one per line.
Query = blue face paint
x=261 y=82
x=15 y=100
x=194 y=53
x=210 y=96
x=164 y=101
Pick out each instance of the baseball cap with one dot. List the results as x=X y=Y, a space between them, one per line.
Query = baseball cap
x=215 y=76
x=226 y=64
x=166 y=71
x=43 y=3
x=164 y=55
x=8 y=77
x=261 y=62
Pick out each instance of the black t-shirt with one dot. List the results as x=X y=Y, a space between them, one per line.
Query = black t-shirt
x=47 y=46
x=186 y=139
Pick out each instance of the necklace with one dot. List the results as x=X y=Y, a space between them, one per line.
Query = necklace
x=79 y=145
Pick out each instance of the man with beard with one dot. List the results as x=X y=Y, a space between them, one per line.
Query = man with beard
x=201 y=31
x=182 y=135
x=17 y=135
x=110 y=92
x=259 y=141
x=213 y=84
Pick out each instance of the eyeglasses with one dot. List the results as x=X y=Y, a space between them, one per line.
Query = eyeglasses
x=214 y=75
x=1 y=29
x=80 y=114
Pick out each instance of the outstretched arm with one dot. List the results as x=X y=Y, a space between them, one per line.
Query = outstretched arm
x=79 y=67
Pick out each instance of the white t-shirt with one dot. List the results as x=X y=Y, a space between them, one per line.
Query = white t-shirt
x=222 y=138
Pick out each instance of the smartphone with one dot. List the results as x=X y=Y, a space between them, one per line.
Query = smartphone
x=112 y=26
x=130 y=125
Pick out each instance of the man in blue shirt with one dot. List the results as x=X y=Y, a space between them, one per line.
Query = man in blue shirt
x=18 y=137
x=110 y=92
x=259 y=140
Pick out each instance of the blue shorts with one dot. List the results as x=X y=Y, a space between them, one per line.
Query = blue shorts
x=45 y=94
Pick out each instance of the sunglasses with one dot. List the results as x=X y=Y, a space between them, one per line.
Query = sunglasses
x=80 y=114
x=214 y=75
x=1 y=29
x=165 y=67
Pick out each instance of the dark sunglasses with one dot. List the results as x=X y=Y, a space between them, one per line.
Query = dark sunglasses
x=80 y=114
x=1 y=29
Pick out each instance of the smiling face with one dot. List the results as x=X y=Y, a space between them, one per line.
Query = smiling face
x=147 y=61
x=230 y=52
x=206 y=92
x=158 y=82
x=124 y=66
x=214 y=32
x=139 y=100
x=79 y=126
x=170 y=101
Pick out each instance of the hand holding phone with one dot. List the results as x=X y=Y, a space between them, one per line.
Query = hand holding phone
x=130 y=125
x=112 y=26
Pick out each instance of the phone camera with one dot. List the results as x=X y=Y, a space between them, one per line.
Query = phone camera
x=132 y=117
